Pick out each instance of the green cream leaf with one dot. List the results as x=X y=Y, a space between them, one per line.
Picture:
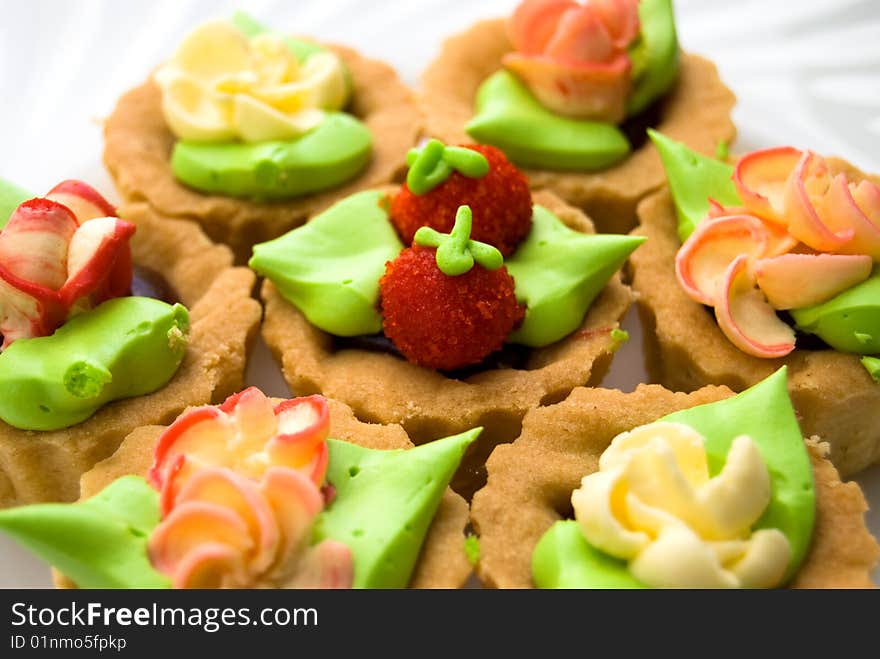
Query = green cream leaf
x=330 y=267
x=693 y=180
x=558 y=273
x=509 y=117
x=99 y=543
x=385 y=503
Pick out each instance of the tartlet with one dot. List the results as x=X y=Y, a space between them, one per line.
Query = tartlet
x=383 y=388
x=46 y=465
x=695 y=110
x=531 y=481
x=442 y=562
x=834 y=395
x=139 y=143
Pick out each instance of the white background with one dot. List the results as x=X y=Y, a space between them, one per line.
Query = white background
x=807 y=73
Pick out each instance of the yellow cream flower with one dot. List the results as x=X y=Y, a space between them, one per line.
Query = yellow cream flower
x=653 y=504
x=221 y=86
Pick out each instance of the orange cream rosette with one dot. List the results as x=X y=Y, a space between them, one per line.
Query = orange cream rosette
x=573 y=57
x=239 y=492
x=802 y=237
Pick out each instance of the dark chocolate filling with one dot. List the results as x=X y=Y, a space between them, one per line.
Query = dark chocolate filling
x=509 y=356
x=636 y=127
x=146 y=282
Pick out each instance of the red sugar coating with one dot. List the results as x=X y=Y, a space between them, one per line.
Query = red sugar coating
x=500 y=201
x=444 y=322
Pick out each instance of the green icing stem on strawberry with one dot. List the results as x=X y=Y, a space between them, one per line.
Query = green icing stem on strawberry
x=60 y=255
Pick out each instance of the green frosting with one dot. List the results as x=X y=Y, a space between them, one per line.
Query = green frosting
x=472 y=549
x=251 y=28
x=564 y=559
x=99 y=543
x=330 y=268
x=693 y=180
x=328 y=155
x=11 y=196
x=385 y=502
x=763 y=412
x=654 y=54
x=126 y=347
x=849 y=322
x=432 y=164
x=558 y=273
x=872 y=365
x=456 y=252
x=511 y=118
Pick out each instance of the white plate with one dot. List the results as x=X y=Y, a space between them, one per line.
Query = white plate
x=806 y=73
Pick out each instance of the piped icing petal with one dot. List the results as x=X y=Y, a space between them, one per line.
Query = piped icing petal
x=804 y=194
x=760 y=178
x=794 y=281
x=746 y=318
x=703 y=259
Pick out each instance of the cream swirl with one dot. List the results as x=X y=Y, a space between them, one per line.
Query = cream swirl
x=221 y=85
x=653 y=504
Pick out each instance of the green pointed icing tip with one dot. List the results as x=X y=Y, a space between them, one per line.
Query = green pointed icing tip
x=385 y=503
x=99 y=543
x=722 y=150
x=456 y=252
x=330 y=267
x=434 y=163
x=559 y=272
x=472 y=549
x=11 y=196
x=694 y=179
x=872 y=365
x=564 y=559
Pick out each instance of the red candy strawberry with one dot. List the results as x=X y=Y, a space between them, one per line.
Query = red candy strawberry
x=448 y=301
x=442 y=178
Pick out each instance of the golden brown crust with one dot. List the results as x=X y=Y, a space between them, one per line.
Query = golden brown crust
x=385 y=389
x=696 y=111
x=530 y=485
x=46 y=466
x=833 y=394
x=138 y=147
x=442 y=564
